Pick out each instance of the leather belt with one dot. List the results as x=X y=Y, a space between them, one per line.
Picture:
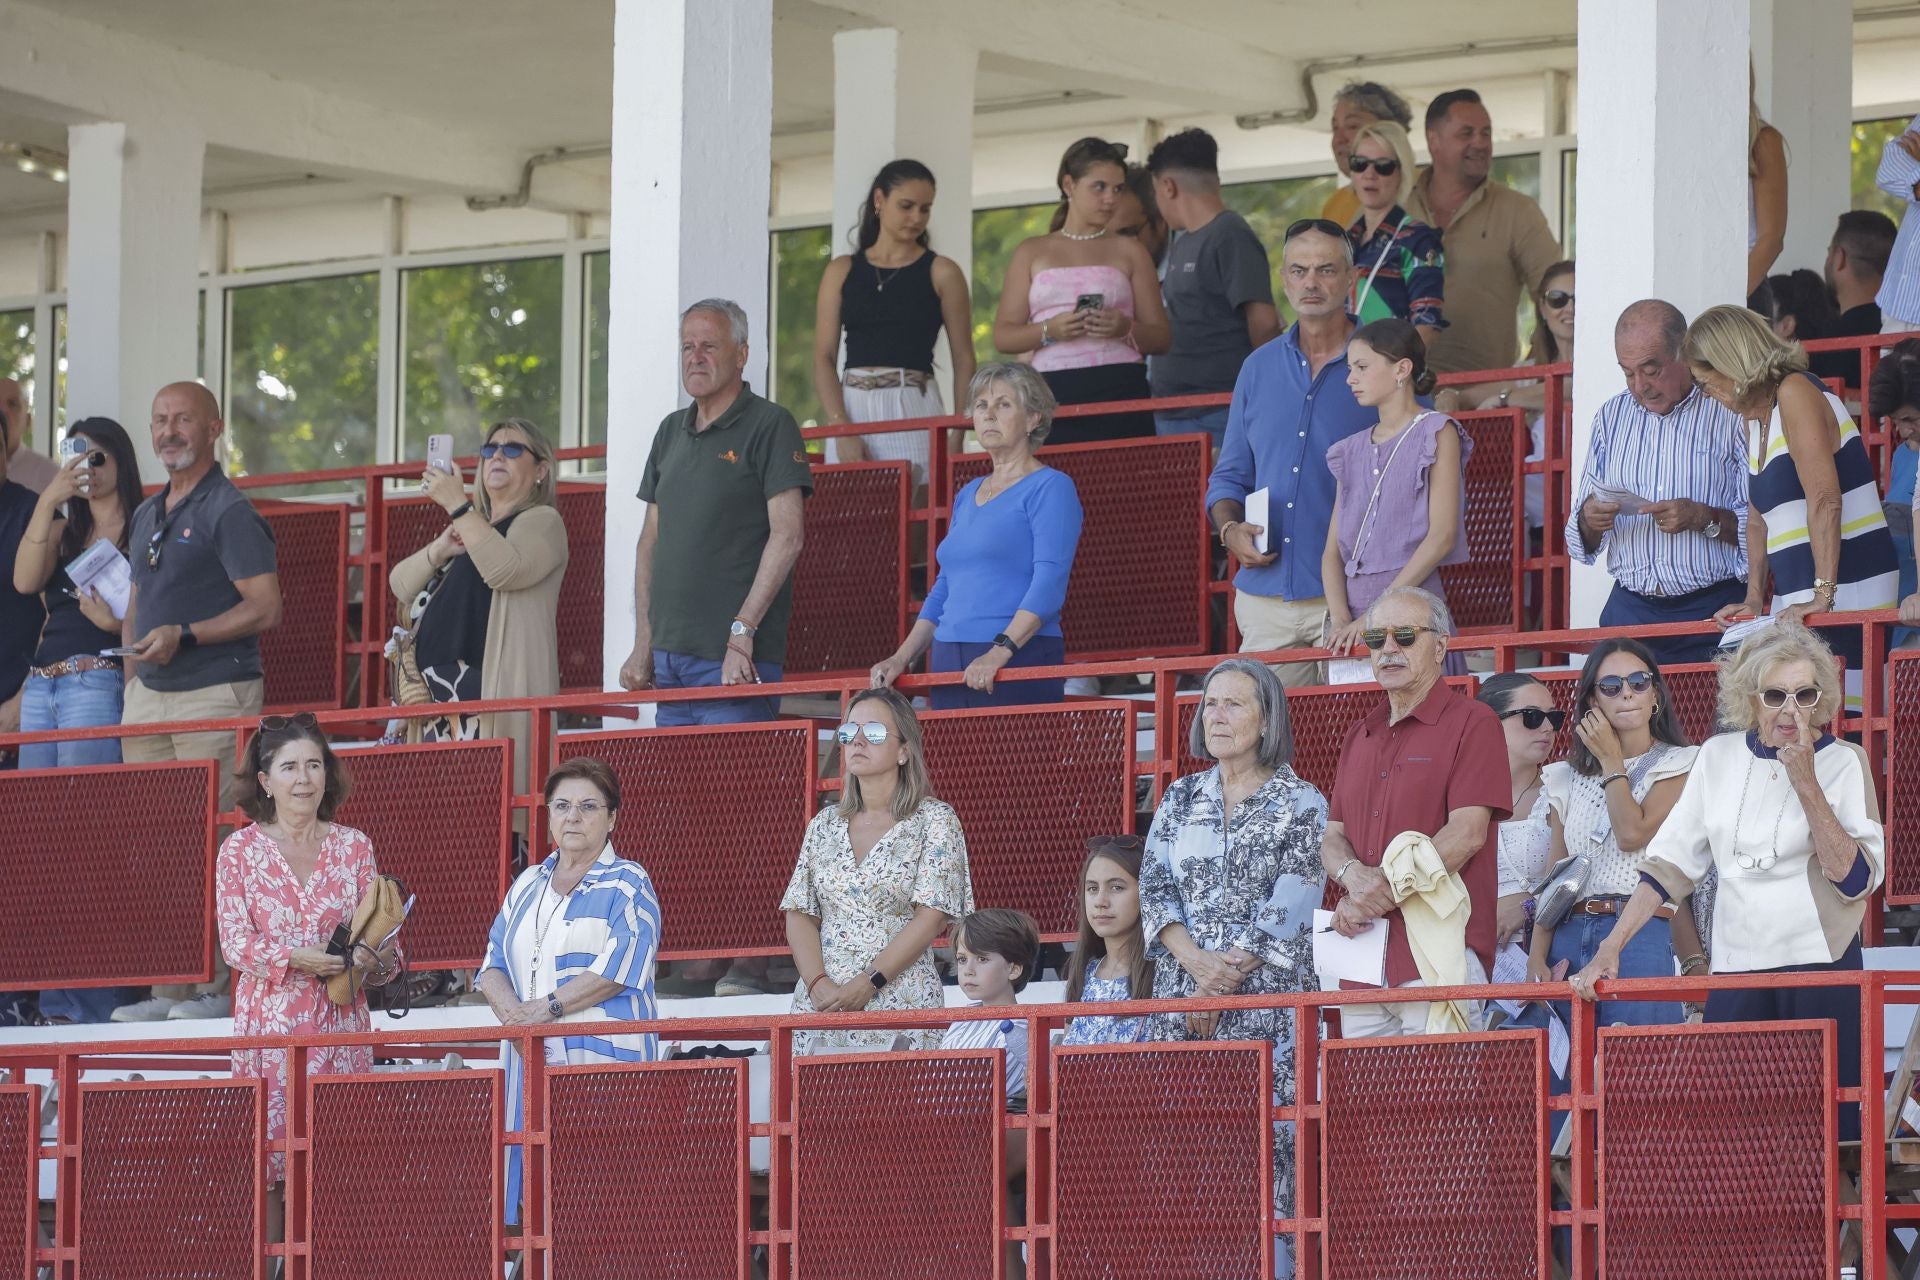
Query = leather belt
x=1611 y=907
x=880 y=381
x=74 y=666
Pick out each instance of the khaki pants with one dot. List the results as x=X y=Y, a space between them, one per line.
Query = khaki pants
x=1268 y=622
x=237 y=701
x=1369 y=1021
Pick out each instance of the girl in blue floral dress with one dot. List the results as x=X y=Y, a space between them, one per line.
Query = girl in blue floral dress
x=1109 y=961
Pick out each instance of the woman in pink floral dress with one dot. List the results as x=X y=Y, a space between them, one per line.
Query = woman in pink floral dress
x=284 y=884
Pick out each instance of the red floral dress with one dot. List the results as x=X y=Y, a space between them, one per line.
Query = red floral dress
x=265 y=914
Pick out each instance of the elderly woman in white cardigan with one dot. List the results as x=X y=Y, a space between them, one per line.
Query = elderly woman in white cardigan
x=1786 y=814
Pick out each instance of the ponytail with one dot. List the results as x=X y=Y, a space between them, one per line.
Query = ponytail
x=866 y=233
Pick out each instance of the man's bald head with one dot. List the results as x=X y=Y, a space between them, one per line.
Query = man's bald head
x=1646 y=342
x=1656 y=317
x=209 y=404
x=186 y=422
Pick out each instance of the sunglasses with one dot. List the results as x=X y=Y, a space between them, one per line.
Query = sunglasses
x=1777 y=698
x=298 y=720
x=1557 y=298
x=154 y=544
x=1376 y=637
x=510 y=451
x=1610 y=686
x=1534 y=717
x=1360 y=164
x=873 y=731
x=1325 y=226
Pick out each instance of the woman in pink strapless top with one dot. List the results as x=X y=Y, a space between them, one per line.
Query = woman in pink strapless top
x=1085 y=305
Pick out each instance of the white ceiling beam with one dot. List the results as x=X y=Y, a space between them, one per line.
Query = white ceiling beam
x=83 y=70
x=1127 y=50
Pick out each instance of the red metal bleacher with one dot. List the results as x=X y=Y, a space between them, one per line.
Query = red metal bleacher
x=850 y=583
x=305 y=657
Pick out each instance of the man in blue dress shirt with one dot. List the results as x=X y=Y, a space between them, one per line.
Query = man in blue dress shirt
x=1290 y=405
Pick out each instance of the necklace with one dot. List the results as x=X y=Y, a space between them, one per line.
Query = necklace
x=881 y=281
x=1745 y=861
x=1094 y=235
x=540 y=928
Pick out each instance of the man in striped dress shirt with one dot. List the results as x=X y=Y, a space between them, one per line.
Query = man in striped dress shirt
x=1899 y=177
x=1682 y=556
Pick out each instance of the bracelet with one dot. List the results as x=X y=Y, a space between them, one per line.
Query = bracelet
x=1340 y=876
x=460 y=510
x=1687 y=965
x=1527 y=905
x=1224 y=529
x=820 y=978
x=1610 y=779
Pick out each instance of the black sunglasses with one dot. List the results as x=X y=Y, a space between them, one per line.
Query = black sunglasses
x=1610 y=686
x=298 y=720
x=1534 y=717
x=1557 y=298
x=1386 y=168
x=1325 y=226
x=1376 y=637
x=511 y=450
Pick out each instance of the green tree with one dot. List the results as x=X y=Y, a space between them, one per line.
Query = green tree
x=16 y=353
x=482 y=344
x=1870 y=138
x=303 y=371
x=800 y=258
x=996 y=234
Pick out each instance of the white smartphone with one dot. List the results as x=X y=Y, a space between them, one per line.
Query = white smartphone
x=440 y=452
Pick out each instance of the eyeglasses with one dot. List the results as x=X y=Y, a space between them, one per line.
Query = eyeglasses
x=1325 y=226
x=1610 y=686
x=587 y=809
x=1534 y=717
x=511 y=450
x=1557 y=298
x=1777 y=698
x=873 y=731
x=1376 y=637
x=1748 y=862
x=1360 y=164
x=298 y=720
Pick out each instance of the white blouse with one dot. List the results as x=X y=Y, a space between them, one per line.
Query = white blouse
x=1526 y=846
x=1582 y=808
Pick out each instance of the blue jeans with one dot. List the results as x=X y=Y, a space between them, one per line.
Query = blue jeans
x=1625 y=609
x=82 y=701
x=686 y=671
x=1040 y=651
x=1182 y=422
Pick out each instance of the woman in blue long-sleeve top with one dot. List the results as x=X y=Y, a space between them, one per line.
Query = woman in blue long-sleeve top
x=1006 y=557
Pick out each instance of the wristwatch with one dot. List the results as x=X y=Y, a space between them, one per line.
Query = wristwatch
x=1005 y=641
x=1712 y=528
x=878 y=979
x=554 y=1007
x=187 y=638
x=740 y=628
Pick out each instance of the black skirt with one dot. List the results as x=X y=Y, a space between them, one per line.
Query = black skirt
x=1094 y=385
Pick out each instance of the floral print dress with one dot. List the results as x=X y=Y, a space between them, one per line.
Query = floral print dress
x=1091 y=1028
x=265 y=914
x=920 y=862
x=1252 y=880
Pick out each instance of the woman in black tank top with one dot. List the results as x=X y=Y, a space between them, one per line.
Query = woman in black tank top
x=891 y=297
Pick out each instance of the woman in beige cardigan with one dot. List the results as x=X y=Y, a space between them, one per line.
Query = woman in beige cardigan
x=487 y=590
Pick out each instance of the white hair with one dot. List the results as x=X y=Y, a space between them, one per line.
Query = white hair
x=735 y=317
x=1438 y=616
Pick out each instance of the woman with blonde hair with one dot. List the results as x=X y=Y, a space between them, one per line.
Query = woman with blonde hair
x=1814 y=523
x=1399 y=267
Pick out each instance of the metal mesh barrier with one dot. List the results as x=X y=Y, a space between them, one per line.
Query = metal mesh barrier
x=1902 y=795
x=1160 y=1161
x=849 y=585
x=128 y=898
x=648 y=1171
x=897 y=1163
x=1714 y=1143
x=404 y=1176
x=1695 y=687
x=170 y=1179
x=19 y=1177
x=1435 y=1157
x=304 y=658
x=1480 y=592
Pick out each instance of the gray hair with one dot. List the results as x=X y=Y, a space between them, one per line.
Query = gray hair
x=1028 y=387
x=1376 y=100
x=1439 y=617
x=1744 y=672
x=735 y=317
x=1276 y=729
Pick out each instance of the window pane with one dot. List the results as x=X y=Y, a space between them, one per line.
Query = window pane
x=1870 y=138
x=482 y=344
x=598 y=305
x=996 y=232
x=1521 y=172
x=1270 y=207
x=1569 y=169
x=303 y=375
x=60 y=367
x=16 y=359
x=800 y=258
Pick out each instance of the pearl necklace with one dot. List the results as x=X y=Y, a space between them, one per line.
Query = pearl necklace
x=1092 y=236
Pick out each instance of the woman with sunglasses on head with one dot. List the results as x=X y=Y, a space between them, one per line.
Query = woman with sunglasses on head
x=1531 y=722
x=483 y=597
x=1399 y=266
x=1623 y=774
x=881 y=875
x=1785 y=815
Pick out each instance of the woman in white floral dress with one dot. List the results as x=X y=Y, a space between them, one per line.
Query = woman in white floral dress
x=881 y=875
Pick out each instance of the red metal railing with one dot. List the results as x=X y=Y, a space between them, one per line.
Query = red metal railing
x=1742 y=1117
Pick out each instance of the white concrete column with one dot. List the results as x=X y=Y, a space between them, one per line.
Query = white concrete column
x=1803 y=81
x=906 y=94
x=133 y=267
x=691 y=177
x=1662 y=197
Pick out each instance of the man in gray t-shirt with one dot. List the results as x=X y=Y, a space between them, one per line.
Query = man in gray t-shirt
x=1217 y=284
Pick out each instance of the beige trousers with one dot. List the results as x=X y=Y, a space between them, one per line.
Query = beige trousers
x=1268 y=622
x=237 y=701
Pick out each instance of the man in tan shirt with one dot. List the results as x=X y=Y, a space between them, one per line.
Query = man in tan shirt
x=1497 y=241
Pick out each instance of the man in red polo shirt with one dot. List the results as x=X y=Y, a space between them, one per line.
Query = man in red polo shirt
x=1430 y=761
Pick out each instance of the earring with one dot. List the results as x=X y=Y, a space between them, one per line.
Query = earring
x=1399 y=382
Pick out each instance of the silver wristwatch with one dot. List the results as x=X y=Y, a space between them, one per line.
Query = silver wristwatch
x=1712 y=529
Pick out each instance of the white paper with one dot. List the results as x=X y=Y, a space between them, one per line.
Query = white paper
x=1737 y=634
x=1338 y=958
x=1349 y=671
x=105 y=570
x=1259 y=506
x=1559 y=1045
x=1630 y=502
x=1510 y=966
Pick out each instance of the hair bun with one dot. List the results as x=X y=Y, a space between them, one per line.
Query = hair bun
x=1424 y=382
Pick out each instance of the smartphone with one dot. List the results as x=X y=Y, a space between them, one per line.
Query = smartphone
x=73 y=447
x=440 y=452
x=1090 y=302
x=120 y=651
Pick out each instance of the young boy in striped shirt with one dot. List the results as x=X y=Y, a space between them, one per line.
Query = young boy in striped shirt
x=995 y=952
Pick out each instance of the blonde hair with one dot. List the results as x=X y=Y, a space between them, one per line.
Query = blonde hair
x=542 y=495
x=1744 y=672
x=1736 y=342
x=1397 y=142
x=911 y=783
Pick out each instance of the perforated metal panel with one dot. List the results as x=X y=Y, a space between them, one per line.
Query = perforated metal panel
x=1480 y=592
x=1695 y=687
x=170 y=1180
x=1713 y=1150
x=668 y=1136
x=1434 y=1161
x=1160 y=1161
x=1902 y=792
x=850 y=581
x=121 y=888
x=896 y=1158
x=304 y=658
x=1141 y=569
x=404 y=1176
x=19 y=1181
x=1030 y=785
x=437 y=815
x=716 y=816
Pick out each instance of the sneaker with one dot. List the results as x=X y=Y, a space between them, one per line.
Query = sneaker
x=214 y=1004
x=152 y=1009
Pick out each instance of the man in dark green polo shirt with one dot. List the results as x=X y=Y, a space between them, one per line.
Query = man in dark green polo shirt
x=713 y=577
